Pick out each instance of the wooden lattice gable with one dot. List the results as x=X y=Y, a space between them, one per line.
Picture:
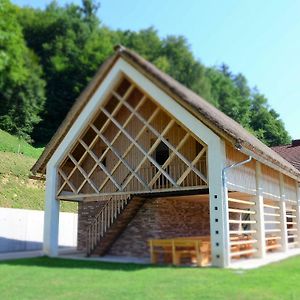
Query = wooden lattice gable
x=132 y=144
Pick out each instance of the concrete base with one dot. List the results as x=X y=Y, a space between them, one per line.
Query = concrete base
x=36 y=253
x=247 y=264
x=20 y=255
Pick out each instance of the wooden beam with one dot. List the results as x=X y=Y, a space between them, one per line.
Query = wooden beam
x=241 y=211
x=105 y=140
x=69 y=196
x=241 y=201
x=98 y=163
x=70 y=184
x=170 y=159
x=115 y=111
x=283 y=223
x=156 y=133
x=153 y=115
x=152 y=148
x=190 y=168
x=84 y=174
x=138 y=146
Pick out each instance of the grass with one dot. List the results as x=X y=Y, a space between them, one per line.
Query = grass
x=45 y=278
x=10 y=143
x=17 y=190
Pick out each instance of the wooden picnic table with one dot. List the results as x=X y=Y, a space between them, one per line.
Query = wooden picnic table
x=195 y=248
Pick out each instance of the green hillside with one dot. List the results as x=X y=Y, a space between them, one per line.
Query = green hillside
x=9 y=143
x=17 y=190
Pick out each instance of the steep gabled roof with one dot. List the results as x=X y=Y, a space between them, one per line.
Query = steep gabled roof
x=203 y=110
x=290 y=152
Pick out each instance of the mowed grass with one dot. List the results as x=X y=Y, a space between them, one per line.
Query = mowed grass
x=45 y=278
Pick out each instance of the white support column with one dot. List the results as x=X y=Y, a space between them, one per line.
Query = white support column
x=218 y=199
x=283 y=226
x=51 y=217
x=298 y=213
x=259 y=214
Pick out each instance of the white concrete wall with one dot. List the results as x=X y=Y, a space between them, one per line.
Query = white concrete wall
x=22 y=229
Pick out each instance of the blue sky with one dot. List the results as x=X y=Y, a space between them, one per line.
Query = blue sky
x=260 y=39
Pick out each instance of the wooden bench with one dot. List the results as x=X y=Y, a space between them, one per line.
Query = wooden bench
x=272 y=243
x=159 y=247
x=195 y=249
x=241 y=245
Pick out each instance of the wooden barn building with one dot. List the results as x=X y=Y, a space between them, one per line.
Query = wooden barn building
x=153 y=166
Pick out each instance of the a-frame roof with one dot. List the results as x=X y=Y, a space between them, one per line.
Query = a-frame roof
x=208 y=114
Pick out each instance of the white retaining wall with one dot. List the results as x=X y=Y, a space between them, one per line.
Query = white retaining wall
x=22 y=229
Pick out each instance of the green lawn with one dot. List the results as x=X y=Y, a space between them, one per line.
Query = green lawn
x=44 y=278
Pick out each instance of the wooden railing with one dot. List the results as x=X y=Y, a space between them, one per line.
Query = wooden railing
x=104 y=220
x=175 y=171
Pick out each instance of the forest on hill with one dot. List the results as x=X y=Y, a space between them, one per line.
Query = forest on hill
x=48 y=56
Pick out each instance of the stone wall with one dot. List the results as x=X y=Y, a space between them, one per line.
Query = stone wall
x=162 y=218
x=86 y=214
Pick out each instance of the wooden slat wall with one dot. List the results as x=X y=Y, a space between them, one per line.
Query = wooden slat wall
x=240 y=179
x=270 y=183
x=290 y=188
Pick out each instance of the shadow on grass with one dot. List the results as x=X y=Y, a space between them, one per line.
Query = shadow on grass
x=47 y=262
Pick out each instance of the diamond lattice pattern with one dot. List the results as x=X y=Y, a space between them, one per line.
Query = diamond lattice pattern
x=132 y=145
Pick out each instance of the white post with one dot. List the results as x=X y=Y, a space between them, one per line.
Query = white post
x=218 y=199
x=283 y=226
x=51 y=217
x=259 y=214
x=298 y=213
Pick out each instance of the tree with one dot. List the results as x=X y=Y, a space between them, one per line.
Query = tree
x=266 y=123
x=21 y=87
x=70 y=43
x=71 y=46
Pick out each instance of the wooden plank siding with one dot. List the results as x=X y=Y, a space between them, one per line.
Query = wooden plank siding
x=240 y=179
